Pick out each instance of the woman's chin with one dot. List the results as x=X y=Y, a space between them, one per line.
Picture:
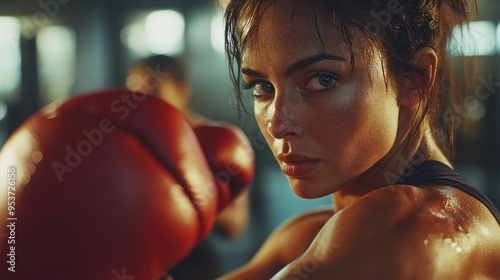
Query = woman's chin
x=305 y=188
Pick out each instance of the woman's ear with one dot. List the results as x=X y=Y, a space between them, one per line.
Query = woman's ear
x=416 y=85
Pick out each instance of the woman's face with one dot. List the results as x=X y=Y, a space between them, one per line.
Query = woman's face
x=325 y=122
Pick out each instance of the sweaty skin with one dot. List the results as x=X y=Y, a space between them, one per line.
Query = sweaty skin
x=336 y=130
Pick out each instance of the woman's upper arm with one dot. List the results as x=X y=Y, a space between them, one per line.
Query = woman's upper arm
x=316 y=262
x=283 y=246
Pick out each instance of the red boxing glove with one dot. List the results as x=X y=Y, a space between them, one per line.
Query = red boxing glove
x=227 y=150
x=113 y=185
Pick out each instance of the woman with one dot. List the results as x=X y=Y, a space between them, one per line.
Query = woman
x=349 y=96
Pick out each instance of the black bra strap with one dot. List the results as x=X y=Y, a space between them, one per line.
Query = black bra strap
x=436 y=173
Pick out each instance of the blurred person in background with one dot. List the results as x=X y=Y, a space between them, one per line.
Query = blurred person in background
x=165 y=77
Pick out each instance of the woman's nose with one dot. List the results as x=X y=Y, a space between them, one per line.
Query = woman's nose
x=285 y=118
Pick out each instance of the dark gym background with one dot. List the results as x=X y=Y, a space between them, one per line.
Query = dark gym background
x=53 y=49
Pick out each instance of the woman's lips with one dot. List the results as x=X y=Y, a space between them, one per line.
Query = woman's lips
x=294 y=165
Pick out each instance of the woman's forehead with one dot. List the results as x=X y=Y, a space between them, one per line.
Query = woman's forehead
x=277 y=14
x=298 y=31
x=290 y=27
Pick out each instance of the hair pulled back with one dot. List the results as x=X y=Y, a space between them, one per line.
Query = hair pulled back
x=398 y=28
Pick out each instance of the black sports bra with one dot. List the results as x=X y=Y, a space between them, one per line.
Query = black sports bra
x=437 y=173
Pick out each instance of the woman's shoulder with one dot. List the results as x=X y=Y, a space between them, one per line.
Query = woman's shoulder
x=423 y=213
x=437 y=230
x=429 y=208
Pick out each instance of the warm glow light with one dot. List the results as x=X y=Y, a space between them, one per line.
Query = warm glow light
x=10 y=55
x=165 y=32
x=498 y=37
x=135 y=38
x=217 y=33
x=56 y=46
x=159 y=32
x=476 y=40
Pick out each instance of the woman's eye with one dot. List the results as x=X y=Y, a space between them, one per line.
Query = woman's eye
x=260 y=88
x=263 y=88
x=321 y=82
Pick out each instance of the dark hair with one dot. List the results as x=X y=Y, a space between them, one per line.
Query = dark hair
x=162 y=64
x=413 y=24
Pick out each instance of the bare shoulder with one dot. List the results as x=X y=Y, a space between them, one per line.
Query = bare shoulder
x=399 y=232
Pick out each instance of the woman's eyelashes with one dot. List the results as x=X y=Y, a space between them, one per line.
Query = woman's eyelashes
x=260 y=88
x=315 y=82
x=321 y=82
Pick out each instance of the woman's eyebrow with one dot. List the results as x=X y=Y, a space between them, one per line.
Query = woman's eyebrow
x=251 y=72
x=301 y=64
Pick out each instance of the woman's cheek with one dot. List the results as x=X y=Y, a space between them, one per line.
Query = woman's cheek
x=377 y=128
x=355 y=121
x=261 y=112
x=263 y=117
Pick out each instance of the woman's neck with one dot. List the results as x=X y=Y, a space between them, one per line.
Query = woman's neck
x=388 y=170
